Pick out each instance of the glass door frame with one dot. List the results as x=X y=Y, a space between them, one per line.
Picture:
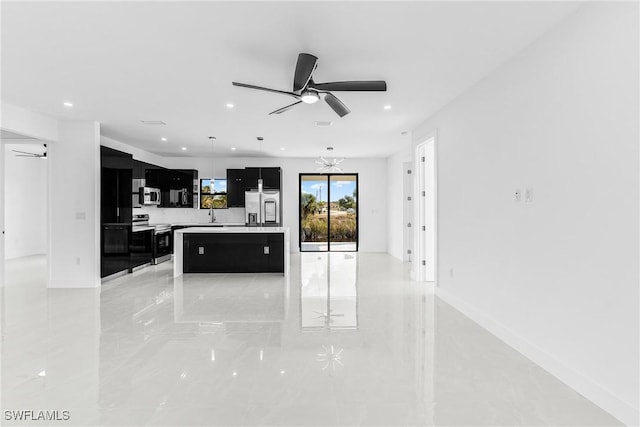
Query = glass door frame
x=328 y=178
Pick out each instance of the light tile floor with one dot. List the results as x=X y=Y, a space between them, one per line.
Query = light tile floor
x=346 y=340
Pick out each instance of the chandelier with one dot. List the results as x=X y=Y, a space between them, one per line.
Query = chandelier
x=329 y=165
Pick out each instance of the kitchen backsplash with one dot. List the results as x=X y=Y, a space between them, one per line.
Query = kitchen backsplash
x=181 y=215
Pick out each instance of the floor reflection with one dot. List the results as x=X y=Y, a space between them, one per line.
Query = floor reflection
x=329 y=291
x=350 y=340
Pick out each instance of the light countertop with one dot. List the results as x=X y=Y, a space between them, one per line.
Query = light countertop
x=137 y=229
x=209 y=224
x=235 y=229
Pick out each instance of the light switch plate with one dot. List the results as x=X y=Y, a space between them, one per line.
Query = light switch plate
x=528 y=195
x=201 y=250
x=266 y=250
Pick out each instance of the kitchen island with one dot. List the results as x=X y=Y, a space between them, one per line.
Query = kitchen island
x=231 y=250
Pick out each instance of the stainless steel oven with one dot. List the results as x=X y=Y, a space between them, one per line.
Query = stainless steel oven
x=161 y=243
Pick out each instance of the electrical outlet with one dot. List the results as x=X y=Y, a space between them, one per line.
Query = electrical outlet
x=517 y=195
x=266 y=250
x=201 y=250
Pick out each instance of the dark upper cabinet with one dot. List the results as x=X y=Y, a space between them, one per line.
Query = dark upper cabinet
x=139 y=169
x=115 y=193
x=156 y=178
x=177 y=186
x=235 y=188
x=270 y=178
x=251 y=178
x=183 y=187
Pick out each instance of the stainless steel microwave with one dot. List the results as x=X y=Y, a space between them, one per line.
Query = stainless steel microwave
x=149 y=196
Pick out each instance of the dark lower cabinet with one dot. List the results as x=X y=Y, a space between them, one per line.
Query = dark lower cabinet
x=233 y=253
x=115 y=248
x=141 y=248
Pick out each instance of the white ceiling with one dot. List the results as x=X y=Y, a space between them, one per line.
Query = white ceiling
x=120 y=63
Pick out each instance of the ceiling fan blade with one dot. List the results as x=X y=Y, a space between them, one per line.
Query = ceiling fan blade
x=25 y=153
x=304 y=67
x=337 y=105
x=287 y=108
x=353 y=86
x=265 y=89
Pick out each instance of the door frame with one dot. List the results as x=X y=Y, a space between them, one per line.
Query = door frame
x=328 y=177
x=422 y=273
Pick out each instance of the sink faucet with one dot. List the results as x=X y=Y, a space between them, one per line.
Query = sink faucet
x=212 y=214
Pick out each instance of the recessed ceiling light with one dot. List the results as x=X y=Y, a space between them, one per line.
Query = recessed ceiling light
x=329 y=148
x=323 y=124
x=281 y=148
x=163 y=138
x=233 y=148
x=387 y=107
x=184 y=148
x=229 y=105
x=68 y=104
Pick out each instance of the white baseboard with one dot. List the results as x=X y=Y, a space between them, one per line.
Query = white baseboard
x=596 y=393
x=73 y=283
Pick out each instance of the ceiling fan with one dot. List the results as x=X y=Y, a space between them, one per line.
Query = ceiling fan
x=27 y=154
x=307 y=91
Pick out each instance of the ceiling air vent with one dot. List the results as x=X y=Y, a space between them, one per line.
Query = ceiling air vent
x=323 y=124
x=153 y=122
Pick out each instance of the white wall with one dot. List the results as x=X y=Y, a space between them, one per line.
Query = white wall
x=25 y=204
x=556 y=278
x=74 y=188
x=2 y=232
x=395 y=201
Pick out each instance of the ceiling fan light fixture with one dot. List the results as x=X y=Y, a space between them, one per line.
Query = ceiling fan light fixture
x=309 y=97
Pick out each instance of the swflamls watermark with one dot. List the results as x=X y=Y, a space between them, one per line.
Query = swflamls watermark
x=36 y=415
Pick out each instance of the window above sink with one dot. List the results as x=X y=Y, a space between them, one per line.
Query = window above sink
x=213 y=193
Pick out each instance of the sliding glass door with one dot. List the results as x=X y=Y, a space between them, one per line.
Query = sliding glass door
x=328 y=212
